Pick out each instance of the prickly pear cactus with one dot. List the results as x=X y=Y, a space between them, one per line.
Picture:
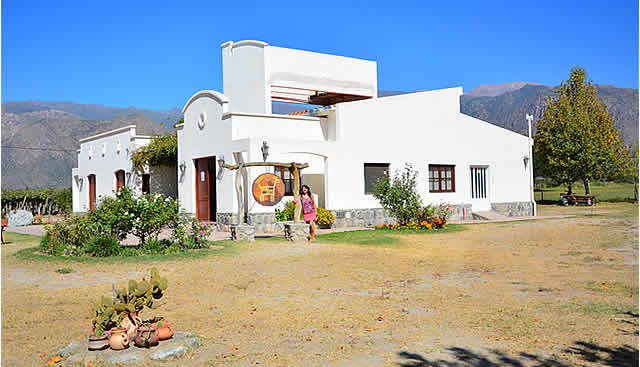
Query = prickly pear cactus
x=139 y=295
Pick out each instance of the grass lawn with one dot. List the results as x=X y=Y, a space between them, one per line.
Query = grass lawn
x=604 y=192
x=560 y=291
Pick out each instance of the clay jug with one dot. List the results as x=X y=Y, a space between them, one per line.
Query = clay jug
x=118 y=339
x=147 y=336
x=165 y=331
x=98 y=342
x=130 y=323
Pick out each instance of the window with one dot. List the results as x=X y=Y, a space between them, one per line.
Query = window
x=146 y=187
x=119 y=179
x=373 y=172
x=442 y=178
x=287 y=178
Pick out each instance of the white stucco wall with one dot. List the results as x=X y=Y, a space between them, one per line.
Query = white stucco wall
x=421 y=129
x=99 y=155
x=252 y=68
x=106 y=153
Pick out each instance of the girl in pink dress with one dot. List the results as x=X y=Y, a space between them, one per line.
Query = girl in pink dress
x=308 y=210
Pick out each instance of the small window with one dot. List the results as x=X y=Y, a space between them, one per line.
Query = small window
x=287 y=178
x=146 y=187
x=373 y=172
x=442 y=178
x=119 y=179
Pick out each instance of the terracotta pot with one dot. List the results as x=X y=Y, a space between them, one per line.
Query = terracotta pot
x=130 y=323
x=98 y=342
x=118 y=339
x=5 y=222
x=165 y=331
x=146 y=336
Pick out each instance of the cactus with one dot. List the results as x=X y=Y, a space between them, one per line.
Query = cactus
x=103 y=311
x=136 y=296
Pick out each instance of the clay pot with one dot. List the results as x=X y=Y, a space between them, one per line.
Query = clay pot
x=130 y=323
x=118 y=339
x=146 y=336
x=98 y=342
x=165 y=331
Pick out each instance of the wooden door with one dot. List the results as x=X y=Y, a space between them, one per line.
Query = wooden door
x=202 y=190
x=119 y=179
x=92 y=191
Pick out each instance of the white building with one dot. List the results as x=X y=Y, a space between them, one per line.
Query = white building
x=349 y=142
x=104 y=165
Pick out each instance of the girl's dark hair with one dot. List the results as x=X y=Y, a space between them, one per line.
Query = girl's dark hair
x=308 y=190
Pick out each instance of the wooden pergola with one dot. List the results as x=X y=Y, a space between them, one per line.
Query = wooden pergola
x=293 y=167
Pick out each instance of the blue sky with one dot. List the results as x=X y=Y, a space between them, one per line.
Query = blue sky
x=156 y=55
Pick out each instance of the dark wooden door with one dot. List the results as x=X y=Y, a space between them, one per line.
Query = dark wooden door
x=92 y=191
x=203 y=193
x=119 y=179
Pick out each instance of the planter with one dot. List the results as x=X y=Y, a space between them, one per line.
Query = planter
x=146 y=336
x=98 y=342
x=118 y=339
x=130 y=323
x=5 y=222
x=325 y=226
x=165 y=331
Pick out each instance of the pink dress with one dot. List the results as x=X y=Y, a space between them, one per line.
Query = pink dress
x=308 y=209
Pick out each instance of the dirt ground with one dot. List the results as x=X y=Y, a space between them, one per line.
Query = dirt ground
x=561 y=291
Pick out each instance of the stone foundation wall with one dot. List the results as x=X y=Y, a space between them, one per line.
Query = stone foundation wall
x=162 y=180
x=266 y=222
x=513 y=209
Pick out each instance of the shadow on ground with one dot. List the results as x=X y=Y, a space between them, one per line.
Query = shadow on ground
x=622 y=356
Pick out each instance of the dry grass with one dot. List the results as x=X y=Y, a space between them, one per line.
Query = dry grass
x=521 y=287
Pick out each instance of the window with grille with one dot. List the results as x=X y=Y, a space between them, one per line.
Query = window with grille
x=442 y=178
x=287 y=178
x=373 y=172
x=478 y=183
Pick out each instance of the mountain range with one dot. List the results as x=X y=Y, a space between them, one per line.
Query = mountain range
x=40 y=139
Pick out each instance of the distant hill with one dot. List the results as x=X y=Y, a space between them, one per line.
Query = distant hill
x=39 y=146
x=59 y=125
x=91 y=111
x=492 y=90
x=508 y=110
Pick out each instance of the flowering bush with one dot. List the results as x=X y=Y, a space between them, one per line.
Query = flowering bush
x=188 y=233
x=424 y=225
x=325 y=217
x=444 y=211
x=66 y=237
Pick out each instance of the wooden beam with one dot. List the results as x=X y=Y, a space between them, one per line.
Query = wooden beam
x=263 y=164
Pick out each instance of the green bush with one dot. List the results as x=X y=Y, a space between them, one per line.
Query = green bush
x=425 y=214
x=287 y=213
x=69 y=235
x=399 y=196
x=155 y=246
x=103 y=246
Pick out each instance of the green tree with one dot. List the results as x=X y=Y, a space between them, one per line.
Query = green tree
x=632 y=169
x=577 y=137
x=399 y=196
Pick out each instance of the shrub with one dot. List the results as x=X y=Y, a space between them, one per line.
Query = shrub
x=103 y=246
x=188 y=233
x=199 y=234
x=399 y=196
x=154 y=246
x=443 y=211
x=425 y=214
x=74 y=232
x=150 y=213
x=287 y=212
x=325 y=217
x=37 y=219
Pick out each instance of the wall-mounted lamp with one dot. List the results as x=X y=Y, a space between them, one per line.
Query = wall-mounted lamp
x=265 y=151
x=90 y=153
x=526 y=160
x=128 y=174
x=220 y=168
x=80 y=182
x=118 y=147
x=104 y=149
x=183 y=166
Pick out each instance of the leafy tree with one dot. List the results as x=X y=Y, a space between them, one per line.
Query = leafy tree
x=632 y=169
x=577 y=136
x=399 y=196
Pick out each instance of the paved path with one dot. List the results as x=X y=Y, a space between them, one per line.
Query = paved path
x=38 y=230
x=510 y=219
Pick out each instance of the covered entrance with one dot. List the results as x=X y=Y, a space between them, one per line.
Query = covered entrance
x=206 y=189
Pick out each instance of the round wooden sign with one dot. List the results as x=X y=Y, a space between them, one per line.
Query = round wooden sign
x=268 y=189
